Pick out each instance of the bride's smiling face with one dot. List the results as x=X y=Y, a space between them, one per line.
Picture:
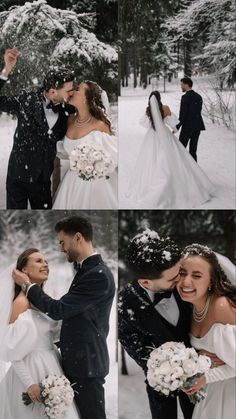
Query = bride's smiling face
x=195 y=278
x=79 y=96
x=36 y=268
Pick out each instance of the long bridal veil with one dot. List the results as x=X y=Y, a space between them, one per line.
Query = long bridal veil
x=228 y=267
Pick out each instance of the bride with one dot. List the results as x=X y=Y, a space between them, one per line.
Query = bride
x=26 y=337
x=204 y=284
x=165 y=175
x=89 y=126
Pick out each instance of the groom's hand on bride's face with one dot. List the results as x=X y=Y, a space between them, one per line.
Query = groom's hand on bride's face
x=19 y=277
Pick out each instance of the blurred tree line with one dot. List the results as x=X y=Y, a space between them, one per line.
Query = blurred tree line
x=213 y=228
x=22 y=229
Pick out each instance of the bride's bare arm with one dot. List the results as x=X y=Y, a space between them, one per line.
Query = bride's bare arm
x=224 y=311
x=19 y=305
x=166 y=110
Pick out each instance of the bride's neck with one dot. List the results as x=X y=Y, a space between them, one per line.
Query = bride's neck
x=83 y=113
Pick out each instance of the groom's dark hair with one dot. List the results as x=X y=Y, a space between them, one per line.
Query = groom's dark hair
x=148 y=255
x=73 y=225
x=187 y=80
x=57 y=77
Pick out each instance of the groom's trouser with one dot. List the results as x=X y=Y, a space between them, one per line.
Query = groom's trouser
x=193 y=142
x=89 y=397
x=37 y=193
x=166 y=408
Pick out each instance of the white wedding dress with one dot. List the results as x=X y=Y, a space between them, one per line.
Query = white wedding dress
x=165 y=174
x=220 y=402
x=75 y=193
x=29 y=346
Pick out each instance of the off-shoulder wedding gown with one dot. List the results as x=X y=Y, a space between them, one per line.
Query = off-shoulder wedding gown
x=165 y=175
x=75 y=193
x=29 y=346
x=220 y=402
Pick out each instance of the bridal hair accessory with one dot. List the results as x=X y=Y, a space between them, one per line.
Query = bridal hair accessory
x=199 y=316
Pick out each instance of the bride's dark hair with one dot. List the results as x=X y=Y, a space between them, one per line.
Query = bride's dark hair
x=21 y=263
x=148 y=110
x=220 y=284
x=93 y=95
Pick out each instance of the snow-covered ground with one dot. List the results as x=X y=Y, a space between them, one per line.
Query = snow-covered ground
x=133 y=400
x=216 y=149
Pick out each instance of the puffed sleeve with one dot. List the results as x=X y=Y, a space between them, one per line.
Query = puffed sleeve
x=224 y=342
x=145 y=121
x=61 y=152
x=171 y=121
x=109 y=145
x=20 y=338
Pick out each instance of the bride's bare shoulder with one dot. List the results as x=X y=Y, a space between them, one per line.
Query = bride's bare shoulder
x=102 y=126
x=166 y=110
x=224 y=310
x=19 y=305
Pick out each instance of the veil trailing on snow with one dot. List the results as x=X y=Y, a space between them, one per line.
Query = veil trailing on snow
x=6 y=298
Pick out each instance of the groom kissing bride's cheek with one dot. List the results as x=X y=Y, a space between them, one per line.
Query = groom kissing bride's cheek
x=152 y=313
x=84 y=311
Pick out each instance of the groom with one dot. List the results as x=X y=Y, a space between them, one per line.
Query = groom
x=190 y=117
x=42 y=121
x=150 y=311
x=85 y=311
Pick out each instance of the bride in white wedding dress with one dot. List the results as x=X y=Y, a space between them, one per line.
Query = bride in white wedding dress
x=204 y=284
x=89 y=126
x=165 y=174
x=26 y=337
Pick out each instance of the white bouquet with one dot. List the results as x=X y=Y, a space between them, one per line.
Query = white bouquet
x=56 y=394
x=91 y=162
x=172 y=366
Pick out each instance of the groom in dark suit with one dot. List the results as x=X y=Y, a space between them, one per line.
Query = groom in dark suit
x=85 y=311
x=190 y=117
x=42 y=121
x=150 y=311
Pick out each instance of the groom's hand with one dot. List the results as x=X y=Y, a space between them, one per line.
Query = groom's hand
x=10 y=60
x=19 y=277
x=215 y=361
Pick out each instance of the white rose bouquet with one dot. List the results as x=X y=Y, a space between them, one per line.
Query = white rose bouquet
x=172 y=366
x=56 y=394
x=91 y=162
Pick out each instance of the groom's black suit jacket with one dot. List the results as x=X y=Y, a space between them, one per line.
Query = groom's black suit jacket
x=141 y=328
x=34 y=147
x=85 y=311
x=190 y=113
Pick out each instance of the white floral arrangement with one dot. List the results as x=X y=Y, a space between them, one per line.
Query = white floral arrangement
x=56 y=394
x=172 y=366
x=91 y=162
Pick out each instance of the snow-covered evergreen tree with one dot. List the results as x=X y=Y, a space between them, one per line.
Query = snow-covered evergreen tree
x=46 y=36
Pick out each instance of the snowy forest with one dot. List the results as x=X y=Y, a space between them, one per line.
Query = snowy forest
x=162 y=38
x=23 y=229
x=211 y=228
x=81 y=35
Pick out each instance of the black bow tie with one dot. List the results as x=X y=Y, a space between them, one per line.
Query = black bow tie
x=52 y=106
x=160 y=295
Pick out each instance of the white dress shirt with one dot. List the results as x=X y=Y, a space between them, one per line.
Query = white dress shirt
x=167 y=308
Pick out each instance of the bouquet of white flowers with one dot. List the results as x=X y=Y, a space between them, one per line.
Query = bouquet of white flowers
x=91 y=162
x=172 y=366
x=56 y=394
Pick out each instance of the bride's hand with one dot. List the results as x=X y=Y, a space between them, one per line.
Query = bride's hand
x=199 y=383
x=34 y=393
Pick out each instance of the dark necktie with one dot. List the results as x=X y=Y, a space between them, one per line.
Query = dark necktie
x=52 y=106
x=160 y=295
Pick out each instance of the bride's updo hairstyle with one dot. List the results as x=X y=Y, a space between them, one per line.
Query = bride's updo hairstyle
x=93 y=95
x=148 y=110
x=21 y=263
x=220 y=284
x=148 y=255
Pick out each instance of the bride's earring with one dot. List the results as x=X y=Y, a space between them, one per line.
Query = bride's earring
x=209 y=288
